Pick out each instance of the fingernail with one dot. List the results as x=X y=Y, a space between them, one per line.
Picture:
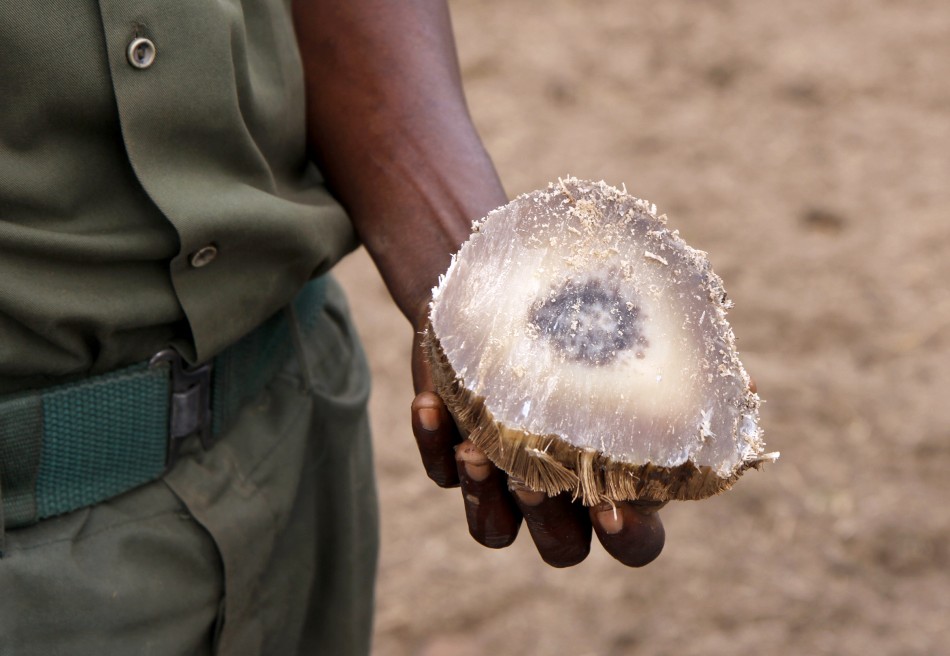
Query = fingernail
x=525 y=495
x=477 y=472
x=429 y=418
x=610 y=520
x=476 y=464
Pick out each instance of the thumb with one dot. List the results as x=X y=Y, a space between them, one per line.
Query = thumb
x=421 y=373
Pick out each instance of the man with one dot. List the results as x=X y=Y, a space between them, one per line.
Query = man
x=158 y=219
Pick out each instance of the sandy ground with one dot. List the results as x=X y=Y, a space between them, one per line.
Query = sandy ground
x=806 y=147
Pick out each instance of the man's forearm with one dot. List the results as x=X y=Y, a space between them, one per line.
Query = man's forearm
x=388 y=124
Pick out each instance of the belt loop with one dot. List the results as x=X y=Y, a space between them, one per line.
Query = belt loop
x=189 y=403
x=21 y=446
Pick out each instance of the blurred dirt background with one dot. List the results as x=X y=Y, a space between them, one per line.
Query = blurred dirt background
x=806 y=147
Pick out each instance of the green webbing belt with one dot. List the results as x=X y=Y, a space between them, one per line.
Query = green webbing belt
x=74 y=445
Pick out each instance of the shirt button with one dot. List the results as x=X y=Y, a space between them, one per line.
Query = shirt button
x=203 y=256
x=141 y=53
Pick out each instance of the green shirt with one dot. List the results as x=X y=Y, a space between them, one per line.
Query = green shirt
x=116 y=178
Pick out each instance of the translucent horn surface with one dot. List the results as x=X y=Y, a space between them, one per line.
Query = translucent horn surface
x=575 y=317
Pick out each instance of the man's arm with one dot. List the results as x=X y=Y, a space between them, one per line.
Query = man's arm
x=388 y=124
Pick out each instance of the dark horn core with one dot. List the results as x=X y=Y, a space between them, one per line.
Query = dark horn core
x=590 y=322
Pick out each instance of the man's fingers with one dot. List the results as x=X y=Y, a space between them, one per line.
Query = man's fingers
x=436 y=436
x=630 y=532
x=561 y=529
x=421 y=373
x=493 y=518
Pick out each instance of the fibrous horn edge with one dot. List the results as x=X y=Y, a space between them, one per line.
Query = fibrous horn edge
x=548 y=464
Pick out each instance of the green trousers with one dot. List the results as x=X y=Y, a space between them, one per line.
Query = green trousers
x=266 y=544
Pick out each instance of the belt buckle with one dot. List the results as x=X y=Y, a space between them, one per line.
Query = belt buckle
x=189 y=403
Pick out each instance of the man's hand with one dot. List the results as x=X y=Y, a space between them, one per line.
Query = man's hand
x=388 y=124
x=495 y=504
